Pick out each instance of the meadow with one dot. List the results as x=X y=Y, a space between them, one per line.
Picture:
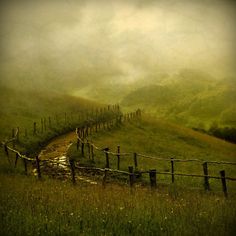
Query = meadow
x=56 y=207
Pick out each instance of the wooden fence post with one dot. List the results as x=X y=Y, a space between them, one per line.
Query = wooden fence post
x=172 y=170
x=16 y=159
x=107 y=157
x=6 y=150
x=77 y=144
x=131 y=176
x=223 y=180
x=135 y=161
x=118 y=157
x=88 y=146
x=153 y=178
x=82 y=148
x=206 y=178
x=38 y=167
x=72 y=167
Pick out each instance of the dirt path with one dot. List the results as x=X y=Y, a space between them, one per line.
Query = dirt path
x=55 y=152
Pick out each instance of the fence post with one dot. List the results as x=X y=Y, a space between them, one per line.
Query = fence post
x=72 y=167
x=135 y=161
x=206 y=178
x=88 y=146
x=16 y=159
x=34 y=132
x=38 y=167
x=6 y=150
x=82 y=148
x=107 y=157
x=131 y=176
x=118 y=157
x=172 y=170
x=223 y=180
x=77 y=144
x=153 y=178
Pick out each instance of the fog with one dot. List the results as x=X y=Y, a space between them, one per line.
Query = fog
x=71 y=44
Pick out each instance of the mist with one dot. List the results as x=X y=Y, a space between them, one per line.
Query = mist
x=68 y=45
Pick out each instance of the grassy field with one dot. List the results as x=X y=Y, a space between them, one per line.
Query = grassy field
x=53 y=207
x=30 y=207
x=162 y=139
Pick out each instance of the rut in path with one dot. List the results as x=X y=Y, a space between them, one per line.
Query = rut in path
x=54 y=161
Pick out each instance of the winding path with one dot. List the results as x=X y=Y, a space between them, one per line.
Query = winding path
x=57 y=164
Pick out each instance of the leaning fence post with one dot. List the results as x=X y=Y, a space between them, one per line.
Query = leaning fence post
x=135 y=161
x=206 y=178
x=153 y=178
x=172 y=170
x=16 y=159
x=72 y=167
x=131 y=176
x=38 y=167
x=118 y=157
x=223 y=180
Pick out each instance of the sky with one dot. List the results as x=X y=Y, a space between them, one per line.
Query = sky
x=93 y=41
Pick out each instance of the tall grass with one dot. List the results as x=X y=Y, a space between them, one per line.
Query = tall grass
x=29 y=207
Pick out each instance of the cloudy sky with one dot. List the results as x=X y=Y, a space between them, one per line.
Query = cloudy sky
x=119 y=40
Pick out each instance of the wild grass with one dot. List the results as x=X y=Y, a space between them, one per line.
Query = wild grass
x=31 y=207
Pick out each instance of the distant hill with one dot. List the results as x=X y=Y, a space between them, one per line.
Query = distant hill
x=190 y=98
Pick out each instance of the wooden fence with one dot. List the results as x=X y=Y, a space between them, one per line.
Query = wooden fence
x=132 y=172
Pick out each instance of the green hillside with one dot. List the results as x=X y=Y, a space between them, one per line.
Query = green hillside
x=21 y=108
x=166 y=140
x=190 y=99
